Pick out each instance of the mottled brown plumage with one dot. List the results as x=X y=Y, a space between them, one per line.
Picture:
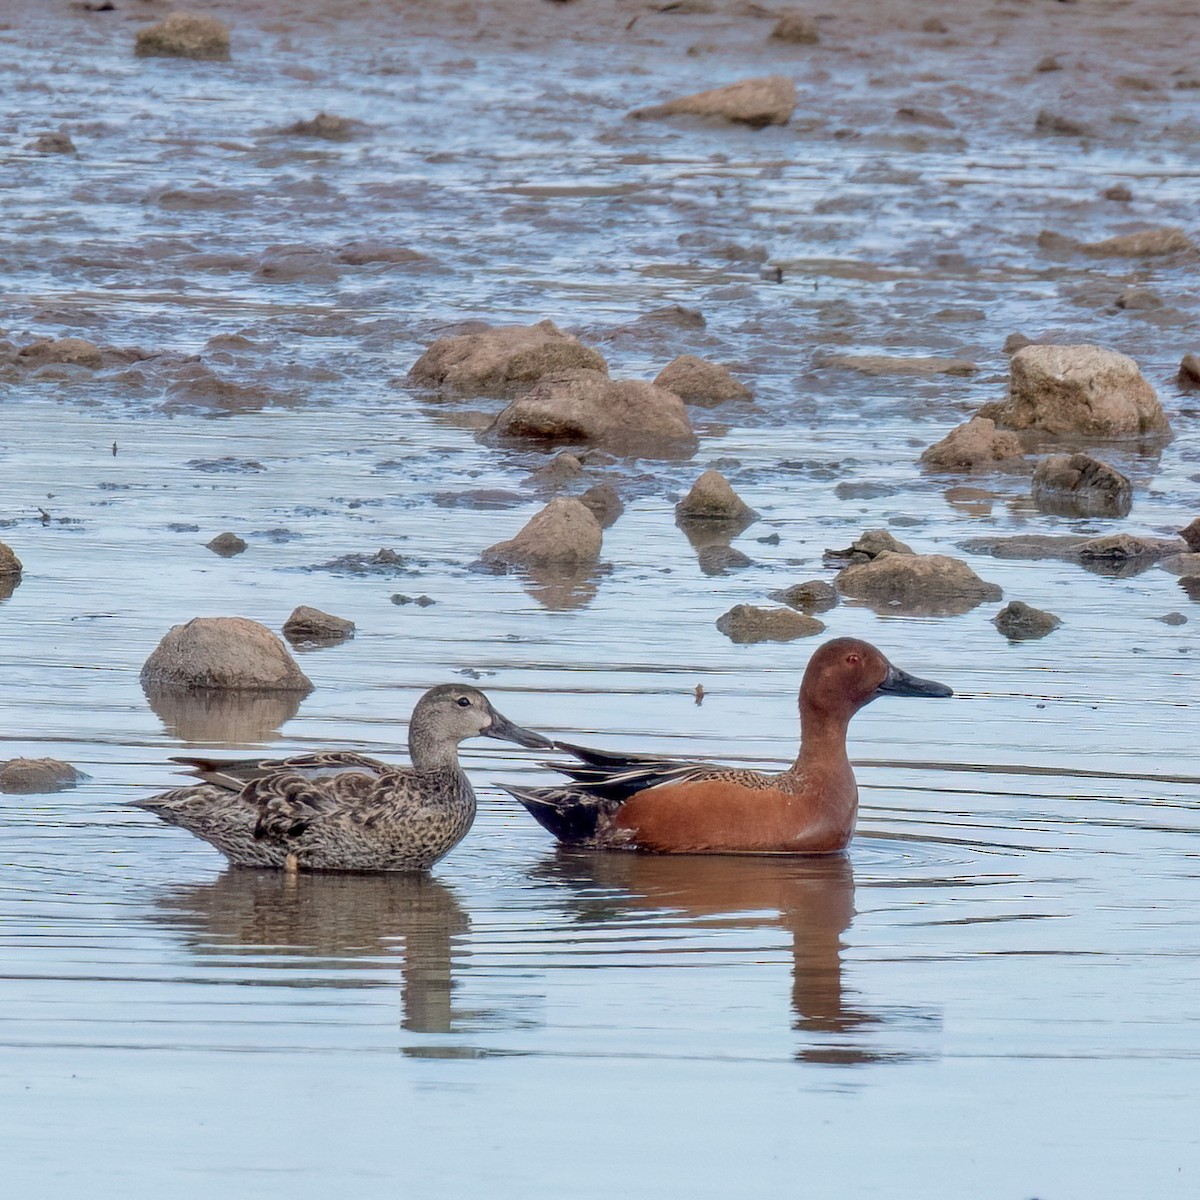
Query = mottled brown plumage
x=340 y=811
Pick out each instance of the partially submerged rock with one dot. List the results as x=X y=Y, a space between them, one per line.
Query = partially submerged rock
x=1079 y=485
x=564 y=534
x=500 y=361
x=814 y=596
x=1147 y=243
x=1033 y=547
x=974 y=445
x=744 y=623
x=697 y=381
x=868 y=545
x=796 y=27
x=895 y=364
x=10 y=564
x=56 y=142
x=604 y=503
x=628 y=417
x=916 y=582
x=226 y=544
x=185 y=35
x=1020 y=622
x=1189 y=370
x=76 y=351
x=225 y=653
x=712 y=498
x=311 y=625
x=1123 y=547
x=1187 y=565
x=325 y=125
x=1078 y=390
x=768 y=100
x=26 y=776
x=1190 y=534
x=720 y=560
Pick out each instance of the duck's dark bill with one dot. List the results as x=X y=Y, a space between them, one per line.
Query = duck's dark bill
x=901 y=683
x=502 y=728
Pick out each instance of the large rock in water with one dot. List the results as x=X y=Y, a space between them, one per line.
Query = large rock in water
x=230 y=653
x=1078 y=390
x=767 y=100
x=916 y=582
x=1078 y=485
x=564 y=534
x=184 y=35
x=629 y=417
x=975 y=445
x=697 y=381
x=501 y=361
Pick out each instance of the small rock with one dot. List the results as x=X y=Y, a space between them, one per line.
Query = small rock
x=933 y=25
x=1149 y=243
x=1047 y=64
x=812 y=597
x=325 y=125
x=367 y=252
x=1139 y=298
x=1118 y=192
x=1189 y=370
x=713 y=499
x=420 y=601
x=769 y=100
x=1015 y=342
x=677 y=316
x=73 y=350
x=227 y=545
x=1080 y=486
x=185 y=35
x=225 y=653
x=25 y=776
x=1182 y=564
x=916 y=582
x=562 y=468
x=744 y=624
x=1190 y=534
x=312 y=625
x=891 y=364
x=976 y=443
x=869 y=545
x=10 y=564
x=565 y=533
x=696 y=381
x=1078 y=389
x=1125 y=547
x=1021 y=623
x=499 y=361
x=604 y=503
x=1173 y=618
x=1035 y=547
x=52 y=143
x=1059 y=125
x=383 y=562
x=720 y=560
x=796 y=27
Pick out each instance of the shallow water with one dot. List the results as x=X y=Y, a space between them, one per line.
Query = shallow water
x=993 y=995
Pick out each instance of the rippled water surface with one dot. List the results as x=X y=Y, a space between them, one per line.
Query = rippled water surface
x=995 y=994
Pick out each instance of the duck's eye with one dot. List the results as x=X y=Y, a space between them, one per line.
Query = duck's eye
x=464 y=702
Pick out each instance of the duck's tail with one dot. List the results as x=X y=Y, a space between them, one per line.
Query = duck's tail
x=571 y=815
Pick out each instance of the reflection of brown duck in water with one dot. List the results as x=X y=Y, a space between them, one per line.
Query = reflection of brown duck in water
x=811 y=898
x=271 y=916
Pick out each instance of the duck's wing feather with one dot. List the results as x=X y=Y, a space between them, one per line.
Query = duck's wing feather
x=234 y=774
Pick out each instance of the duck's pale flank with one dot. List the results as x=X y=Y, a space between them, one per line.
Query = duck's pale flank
x=340 y=811
x=640 y=802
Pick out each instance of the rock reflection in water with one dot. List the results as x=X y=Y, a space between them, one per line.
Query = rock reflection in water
x=560 y=588
x=223 y=717
x=811 y=898
x=275 y=917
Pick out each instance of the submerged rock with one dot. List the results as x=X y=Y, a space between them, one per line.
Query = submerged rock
x=769 y=100
x=711 y=498
x=1019 y=622
x=1078 y=390
x=76 y=351
x=499 y=361
x=1081 y=486
x=185 y=35
x=226 y=653
x=565 y=533
x=916 y=582
x=1147 y=243
x=226 y=544
x=628 y=417
x=744 y=623
x=311 y=625
x=812 y=597
x=697 y=381
x=975 y=444
x=26 y=776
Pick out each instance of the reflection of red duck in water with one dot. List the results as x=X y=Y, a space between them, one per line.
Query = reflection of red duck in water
x=639 y=802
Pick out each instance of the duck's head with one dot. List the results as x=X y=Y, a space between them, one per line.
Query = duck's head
x=847 y=673
x=452 y=712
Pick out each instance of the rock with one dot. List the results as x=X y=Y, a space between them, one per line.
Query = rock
x=312 y=625
x=401 y=599
x=369 y=252
x=325 y=125
x=52 y=143
x=916 y=582
x=933 y=25
x=500 y=361
x=1077 y=485
x=1190 y=534
x=720 y=560
x=1148 y=243
x=291 y=262
x=1078 y=390
x=1173 y=618
x=1182 y=564
x=1189 y=370
x=892 y=364
x=603 y=503
x=1118 y=192
x=1021 y=623
x=24 y=776
x=1015 y=342
x=384 y=561
x=77 y=351
x=1036 y=547
x=628 y=417
x=713 y=499
x=1139 y=298
x=562 y=468
x=226 y=545
x=1048 y=63
x=10 y=564
x=1124 y=547
x=769 y=100
x=696 y=381
x=185 y=35
x=675 y=316
x=796 y=27
x=565 y=533
x=812 y=597
x=869 y=545
x=1060 y=125
x=744 y=623
x=229 y=653
x=975 y=444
